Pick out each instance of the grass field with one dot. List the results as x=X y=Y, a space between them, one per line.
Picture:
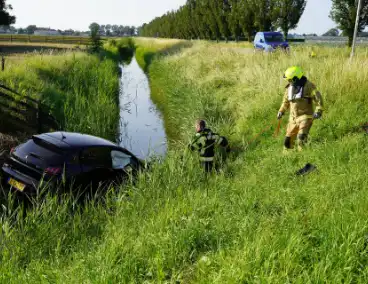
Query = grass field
x=255 y=222
x=80 y=89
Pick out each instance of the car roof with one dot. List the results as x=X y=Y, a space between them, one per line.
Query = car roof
x=70 y=140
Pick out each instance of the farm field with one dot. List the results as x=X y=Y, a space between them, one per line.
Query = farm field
x=44 y=39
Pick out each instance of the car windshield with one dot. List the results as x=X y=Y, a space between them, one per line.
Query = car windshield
x=274 y=38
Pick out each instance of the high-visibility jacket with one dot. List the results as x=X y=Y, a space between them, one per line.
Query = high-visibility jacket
x=300 y=101
x=205 y=142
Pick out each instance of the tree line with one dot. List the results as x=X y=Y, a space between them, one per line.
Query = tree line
x=216 y=19
x=224 y=19
x=115 y=30
x=104 y=30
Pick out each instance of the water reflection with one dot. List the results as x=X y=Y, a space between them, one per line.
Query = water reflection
x=141 y=126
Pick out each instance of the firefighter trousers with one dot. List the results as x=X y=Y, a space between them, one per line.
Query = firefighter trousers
x=298 y=129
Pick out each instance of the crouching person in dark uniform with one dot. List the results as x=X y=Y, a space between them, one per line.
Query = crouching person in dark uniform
x=205 y=142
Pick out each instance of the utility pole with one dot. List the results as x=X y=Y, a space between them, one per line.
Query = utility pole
x=356 y=28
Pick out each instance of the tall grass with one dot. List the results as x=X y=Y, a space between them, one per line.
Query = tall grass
x=254 y=222
x=80 y=89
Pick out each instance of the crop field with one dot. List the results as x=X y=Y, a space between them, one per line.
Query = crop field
x=81 y=40
x=253 y=222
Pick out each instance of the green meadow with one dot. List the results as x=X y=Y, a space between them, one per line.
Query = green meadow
x=253 y=222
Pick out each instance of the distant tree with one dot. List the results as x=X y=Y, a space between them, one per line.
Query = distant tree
x=288 y=14
x=68 y=32
x=125 y=30
x=264 y=14
x=221 y=12
x=120 y=30
x=94 y=28
x=216 y=19
x=12 y=29
x=115 y=29
x=5 y=18
x=332 y=32
x=95 y=37
x=198 y=23
x=31 y=29
x=209 y=16
x=234 y=18
x=132 y=31
x=140 y=29
x=344 y=13
x=108 y=28
x=247 y=11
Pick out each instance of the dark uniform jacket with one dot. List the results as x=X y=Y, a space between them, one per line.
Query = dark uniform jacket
x=205 y=142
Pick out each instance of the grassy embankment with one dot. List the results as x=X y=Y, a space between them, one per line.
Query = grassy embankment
x=253 y=223
x=80 y=88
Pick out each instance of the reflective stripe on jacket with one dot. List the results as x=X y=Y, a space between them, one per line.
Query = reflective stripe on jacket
x=205 y=141
x=301 y=105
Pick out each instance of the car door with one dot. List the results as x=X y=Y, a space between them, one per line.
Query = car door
x=256 y=41
x=97 y=165
x=259 y=40
x=262 y=42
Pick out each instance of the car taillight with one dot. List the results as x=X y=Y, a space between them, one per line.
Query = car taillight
x=53 y=171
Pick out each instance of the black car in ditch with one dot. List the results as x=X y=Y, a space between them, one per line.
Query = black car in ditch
x=75 y=158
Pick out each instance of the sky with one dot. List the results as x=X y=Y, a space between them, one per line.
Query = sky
x=78 y=14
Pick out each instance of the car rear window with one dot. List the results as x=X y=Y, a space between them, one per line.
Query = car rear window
x=43 y=151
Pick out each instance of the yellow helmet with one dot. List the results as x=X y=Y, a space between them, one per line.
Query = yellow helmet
x=293 y=72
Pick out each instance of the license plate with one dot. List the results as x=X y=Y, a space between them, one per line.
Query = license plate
x=16 y=184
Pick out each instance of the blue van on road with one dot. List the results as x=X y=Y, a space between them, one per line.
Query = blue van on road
x=270 y=41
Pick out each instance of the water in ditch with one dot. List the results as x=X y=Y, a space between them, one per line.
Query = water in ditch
x=141 y=124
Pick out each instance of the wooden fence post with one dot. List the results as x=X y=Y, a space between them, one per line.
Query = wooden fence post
x=29 y=38
x=2 y=63
x=39 y=117
x=11 y=38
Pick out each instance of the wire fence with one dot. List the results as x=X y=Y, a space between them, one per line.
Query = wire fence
x=21 y=113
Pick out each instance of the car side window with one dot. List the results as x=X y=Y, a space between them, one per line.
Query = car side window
x=97 y=157
x=120 y=160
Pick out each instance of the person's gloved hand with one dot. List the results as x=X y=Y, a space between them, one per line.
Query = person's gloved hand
x=317 y=115
x=280 y=115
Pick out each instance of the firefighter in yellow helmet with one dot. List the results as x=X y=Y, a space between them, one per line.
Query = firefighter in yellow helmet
x=300 y=95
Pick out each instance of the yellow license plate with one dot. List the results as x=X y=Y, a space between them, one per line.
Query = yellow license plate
x=16 y=184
